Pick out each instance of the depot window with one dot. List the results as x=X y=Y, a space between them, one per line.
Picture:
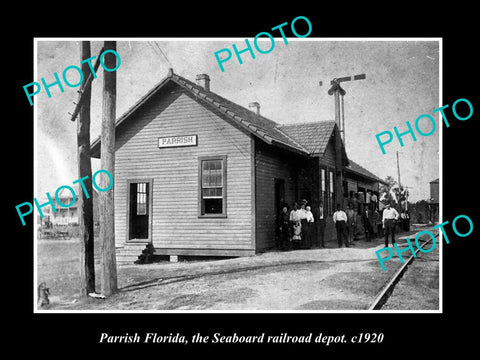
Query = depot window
x=142 y=198
x=331 y=192
x=212 y=180
x=323 y=195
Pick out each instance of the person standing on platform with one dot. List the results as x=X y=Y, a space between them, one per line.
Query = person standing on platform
x=310 y=228
x=296 y=226
x=374 y=201
x=367 y=219
x=303 y=221
x=407 y=220
x=402 y=220
x=284 y=227
x=321 y=224
x=351 y=223
x=368 y=197
x=340 y=220
x=389 y=218
x=375 y=222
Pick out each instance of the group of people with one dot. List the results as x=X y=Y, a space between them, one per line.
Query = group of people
x=302 y=227
x=345 y=223
x=299 y=226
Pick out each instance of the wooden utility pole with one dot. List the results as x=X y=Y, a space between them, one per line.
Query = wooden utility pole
x=107 y=149
x=398 y=169
x=87 y=263
x=338 y=92
x=86 y=84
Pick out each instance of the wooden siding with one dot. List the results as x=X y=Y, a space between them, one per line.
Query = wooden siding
x=328 y=158
x=270 y=165
x=308 y=181
x=175 y=220
x=353 y=184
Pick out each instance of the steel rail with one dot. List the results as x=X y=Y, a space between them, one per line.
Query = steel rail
x=387 y=290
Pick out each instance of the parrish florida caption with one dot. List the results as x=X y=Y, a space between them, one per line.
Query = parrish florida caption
x=218 y=338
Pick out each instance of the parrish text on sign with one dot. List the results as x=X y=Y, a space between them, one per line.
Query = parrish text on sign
x=177 y=141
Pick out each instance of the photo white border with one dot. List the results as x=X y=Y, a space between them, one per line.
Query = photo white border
x=185 y=312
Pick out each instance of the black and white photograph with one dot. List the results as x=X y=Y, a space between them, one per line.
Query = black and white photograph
x=260 y=175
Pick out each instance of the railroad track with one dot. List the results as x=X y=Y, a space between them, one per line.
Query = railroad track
x=387 y=290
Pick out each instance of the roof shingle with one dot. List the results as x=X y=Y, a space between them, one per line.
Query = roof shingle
x=354 y=167
x=261 y=126
x=313 y=136
x=307 y=138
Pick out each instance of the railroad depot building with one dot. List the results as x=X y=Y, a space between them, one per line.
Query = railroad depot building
x=196 y=174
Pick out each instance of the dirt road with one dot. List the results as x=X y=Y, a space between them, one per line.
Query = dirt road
x=317 y=279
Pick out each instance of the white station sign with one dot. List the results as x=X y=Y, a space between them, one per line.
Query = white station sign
x=177 y=141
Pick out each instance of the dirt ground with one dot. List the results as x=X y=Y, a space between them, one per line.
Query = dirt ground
x=316 y=279
x=419 y=287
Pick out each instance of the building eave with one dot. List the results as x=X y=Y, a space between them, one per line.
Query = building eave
x=203 y=96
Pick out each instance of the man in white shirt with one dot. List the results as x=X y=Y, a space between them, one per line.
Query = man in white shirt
x=294 y=213
x=310 y=228
x=340 y=220
x=389 y=218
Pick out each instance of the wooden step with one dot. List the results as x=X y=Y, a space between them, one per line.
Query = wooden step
x=124 y=258
x=133 y=246
x=128 y=253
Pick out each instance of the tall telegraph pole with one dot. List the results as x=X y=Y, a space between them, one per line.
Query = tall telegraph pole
x=338 y=91
x=87 y=263
x=398 y=169
x=107 y=224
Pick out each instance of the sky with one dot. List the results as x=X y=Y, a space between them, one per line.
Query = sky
x=402 y=82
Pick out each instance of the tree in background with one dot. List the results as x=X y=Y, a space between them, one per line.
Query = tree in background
x=397 y=196
x=419 y=212
x=391 y=192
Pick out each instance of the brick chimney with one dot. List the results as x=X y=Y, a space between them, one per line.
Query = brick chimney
x=255 y=107
x=203 y=80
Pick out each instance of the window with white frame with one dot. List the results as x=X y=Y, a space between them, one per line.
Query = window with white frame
x=212 y=186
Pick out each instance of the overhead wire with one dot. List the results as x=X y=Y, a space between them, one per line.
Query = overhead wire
x=157 y=48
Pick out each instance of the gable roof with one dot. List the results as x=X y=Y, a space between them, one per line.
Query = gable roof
x=258 y=125
x=360 y=170
x=313 y=136
x=309 y=139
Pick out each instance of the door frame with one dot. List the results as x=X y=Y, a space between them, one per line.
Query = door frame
x=279 y=184
x=149 y=209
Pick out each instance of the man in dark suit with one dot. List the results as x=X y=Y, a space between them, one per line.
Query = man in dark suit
x=320 y=216
x=367 y=217
x=284 y=229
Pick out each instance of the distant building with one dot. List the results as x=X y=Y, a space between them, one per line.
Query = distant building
x=434 y=200
x=434 y=195
x=64 y=216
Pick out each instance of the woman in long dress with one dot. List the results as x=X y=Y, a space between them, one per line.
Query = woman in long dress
x=296 y=226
